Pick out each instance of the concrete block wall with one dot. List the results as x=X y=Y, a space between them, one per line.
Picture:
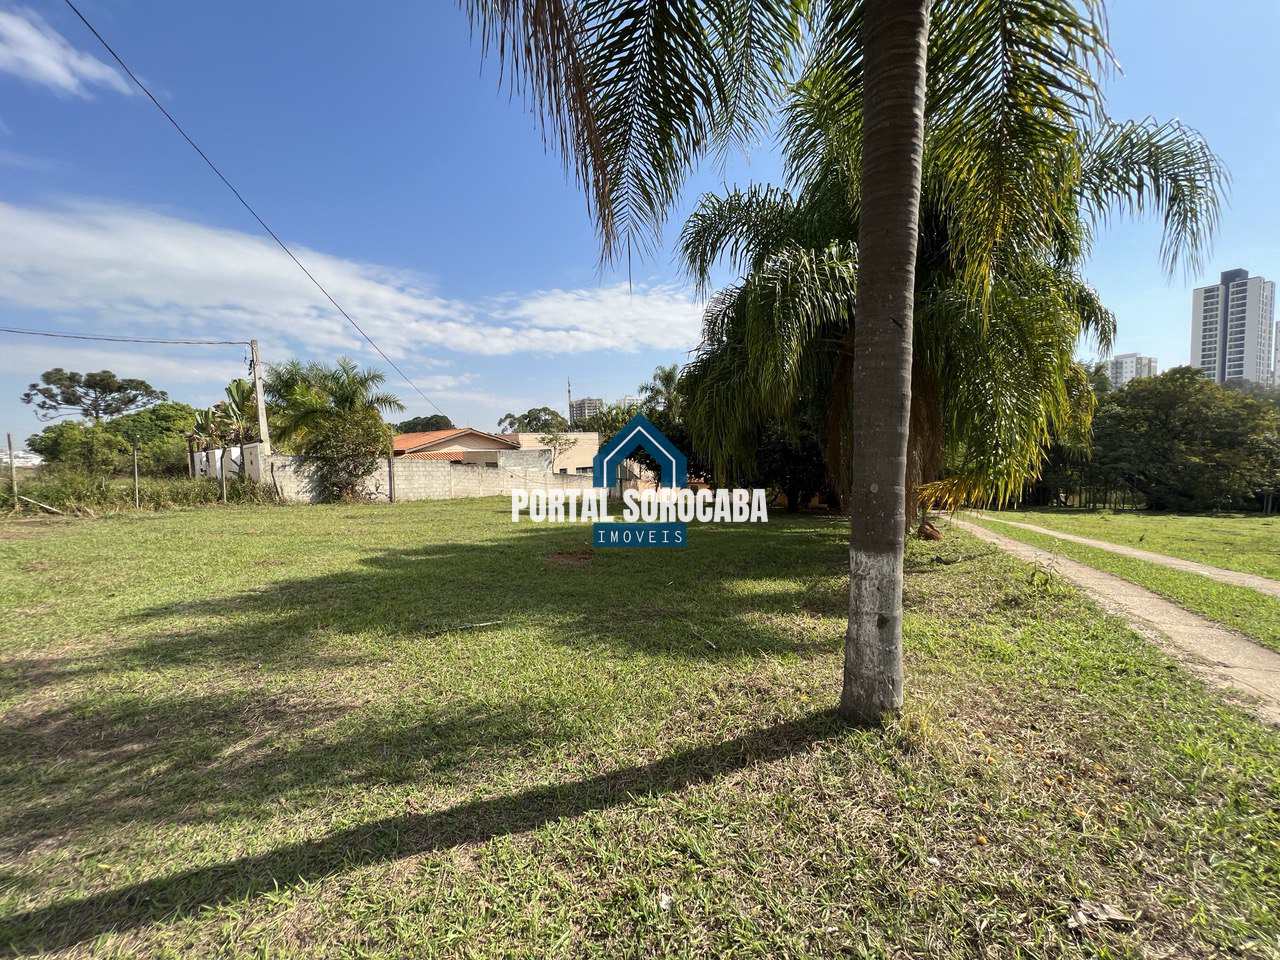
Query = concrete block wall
x=416 y=479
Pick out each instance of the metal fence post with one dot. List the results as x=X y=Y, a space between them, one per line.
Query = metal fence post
x=13 y=469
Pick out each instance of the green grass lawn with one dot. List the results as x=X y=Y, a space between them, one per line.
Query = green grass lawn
x=1249 y=543
x=1256 y=615
x=270 y=731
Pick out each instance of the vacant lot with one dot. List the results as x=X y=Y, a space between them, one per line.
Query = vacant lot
x=421 y=730
x=1244 y=542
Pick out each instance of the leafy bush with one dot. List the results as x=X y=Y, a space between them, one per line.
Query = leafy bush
x=344 y=452
x=80 y=492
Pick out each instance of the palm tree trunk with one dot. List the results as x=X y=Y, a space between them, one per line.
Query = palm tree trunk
x=895 y=40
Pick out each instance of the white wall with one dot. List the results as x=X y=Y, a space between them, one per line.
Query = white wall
x=414 y=479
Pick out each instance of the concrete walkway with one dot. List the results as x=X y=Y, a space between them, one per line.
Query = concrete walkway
x=1234 y=577
x=1225 y=659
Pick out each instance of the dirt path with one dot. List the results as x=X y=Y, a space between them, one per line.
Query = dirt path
x=1234 y=577
x=1223 y=658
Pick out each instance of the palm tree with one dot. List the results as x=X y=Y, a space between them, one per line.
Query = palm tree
x=239 y=415
x=662 y=392
x=206 y=431
x=997 y=381
x=895 y=34
x=311 y=397
x=635 y=92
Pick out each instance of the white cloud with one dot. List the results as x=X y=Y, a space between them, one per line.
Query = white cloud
x=117 y=268
x=34 y=51
x=607 y=318
x=25 y=161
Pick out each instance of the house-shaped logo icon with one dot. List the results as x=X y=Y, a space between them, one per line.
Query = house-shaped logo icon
x=640 y=433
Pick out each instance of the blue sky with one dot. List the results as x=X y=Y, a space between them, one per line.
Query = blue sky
x=372 y=139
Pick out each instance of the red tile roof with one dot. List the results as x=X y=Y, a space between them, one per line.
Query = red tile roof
x=412 y=441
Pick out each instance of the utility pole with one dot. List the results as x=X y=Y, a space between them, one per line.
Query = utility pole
x=13 y=469
x=568 y=384
x=137 y=500
x=265 y=447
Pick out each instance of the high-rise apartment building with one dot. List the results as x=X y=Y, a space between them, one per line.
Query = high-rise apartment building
x=1233 y=329
x=1130 y=366
x=584 y=407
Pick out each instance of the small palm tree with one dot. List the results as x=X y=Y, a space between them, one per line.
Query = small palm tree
x=312 y=396
x=238 y=413
x=206 y=432
x=662 y=392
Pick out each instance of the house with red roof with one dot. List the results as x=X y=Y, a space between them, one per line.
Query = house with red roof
x=460 y=445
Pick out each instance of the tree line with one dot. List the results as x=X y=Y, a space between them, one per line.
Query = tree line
x=1177 y=441
x=329 y=415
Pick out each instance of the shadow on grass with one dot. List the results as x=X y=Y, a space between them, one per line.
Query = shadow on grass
x=178 y=760
x=70 y=922
x=115 y=752
x=634 y=602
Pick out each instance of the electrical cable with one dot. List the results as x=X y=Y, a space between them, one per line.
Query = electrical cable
x=245 y=203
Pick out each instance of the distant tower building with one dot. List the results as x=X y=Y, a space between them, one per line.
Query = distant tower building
x=1130 y=366
x=631 y=400
x=584 y=407
x=1233 y=329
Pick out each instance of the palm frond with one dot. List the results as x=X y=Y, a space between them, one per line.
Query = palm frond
x=1167 y=169
x=634 y=92
x=742 y=227
x=1011 y=81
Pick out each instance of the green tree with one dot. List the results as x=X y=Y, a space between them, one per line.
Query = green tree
x=99 y=395
x=994 y=381
x=534 y=420
x=1099 y=379
x=1258 y=391
x=160 y=432
x=344 y=452
x=611 y=418
x=1186 y=443
x=660 y=394
x=58 y=442
x=310 y=397
x=333 y=416
x=558 y=442
x=436 y=421
x=163 y=420
x=89 y=447
x=239 y=415
x=206 y=431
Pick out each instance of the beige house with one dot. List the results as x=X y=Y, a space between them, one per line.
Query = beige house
x=462 y=445
x=468 y=445
x=512 y=450
x=573 y=459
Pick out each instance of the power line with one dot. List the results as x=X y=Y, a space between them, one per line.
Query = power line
x=86 y=336
x=245 y=203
